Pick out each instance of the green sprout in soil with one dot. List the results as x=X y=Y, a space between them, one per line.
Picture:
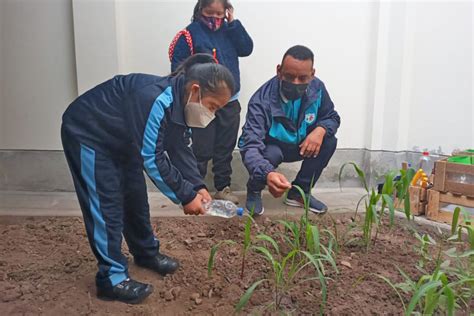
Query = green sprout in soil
x=300 y=250
x=377 y=203
x=450 y=286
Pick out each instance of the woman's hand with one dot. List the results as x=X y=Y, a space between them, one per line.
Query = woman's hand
x=206 y=197
x=195 y=207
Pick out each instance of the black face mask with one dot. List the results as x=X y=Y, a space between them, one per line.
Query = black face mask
x=293 y=91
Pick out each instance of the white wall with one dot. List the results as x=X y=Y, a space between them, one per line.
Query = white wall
x=442 y=77
x=340 y=33
x=38 y=74
x=2 y=125
x=399 y=72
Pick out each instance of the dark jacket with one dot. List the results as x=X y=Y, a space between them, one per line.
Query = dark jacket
x=231 y=41
x=140 y=116
x=266 y=123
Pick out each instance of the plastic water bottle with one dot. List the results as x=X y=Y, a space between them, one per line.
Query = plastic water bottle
x=223 y=208
x=426 y=163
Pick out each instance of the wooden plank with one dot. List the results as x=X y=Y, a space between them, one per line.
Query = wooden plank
x=440 y=175
x=459 y=168
x=433 y=204
x=461 y=188
x=457 y=200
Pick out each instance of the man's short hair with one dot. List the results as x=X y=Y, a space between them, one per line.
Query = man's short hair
x=299 y=52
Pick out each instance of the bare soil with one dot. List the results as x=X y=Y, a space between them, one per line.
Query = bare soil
x=47 y=267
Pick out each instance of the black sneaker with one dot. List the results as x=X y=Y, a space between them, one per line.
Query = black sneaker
x=162 y=264
x=316 y=206
x=128 y=291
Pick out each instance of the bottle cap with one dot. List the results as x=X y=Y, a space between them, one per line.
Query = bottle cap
x=240 y=211
x=426 y=153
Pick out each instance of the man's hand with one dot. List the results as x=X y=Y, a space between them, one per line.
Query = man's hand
x=277 y=184
x=312 y=144
x=195 y=207
x=206 y=197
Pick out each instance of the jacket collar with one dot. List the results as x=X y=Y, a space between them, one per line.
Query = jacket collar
x=177 y=111
x=309 y=97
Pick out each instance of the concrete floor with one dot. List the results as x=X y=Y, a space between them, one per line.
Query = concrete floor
x=65 y=203
x=15 y=203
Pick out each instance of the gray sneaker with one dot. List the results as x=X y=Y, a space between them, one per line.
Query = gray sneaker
x=226 y=194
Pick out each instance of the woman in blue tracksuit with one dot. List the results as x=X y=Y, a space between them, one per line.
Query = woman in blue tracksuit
x=215 y=31
x=116 y=130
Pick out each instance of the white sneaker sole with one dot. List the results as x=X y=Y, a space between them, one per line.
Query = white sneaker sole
x=257 y=214
x=295 y=203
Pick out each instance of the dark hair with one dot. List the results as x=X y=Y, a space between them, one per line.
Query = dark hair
x=210 y=76
x=204 y=3
x=299 y=52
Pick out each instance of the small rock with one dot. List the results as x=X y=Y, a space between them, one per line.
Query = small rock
x=198 y=301
x=201 y=235
x=346 y=264
x=233 y=252
x=194 y=296
x=169 y=296
x=176 y=291
x=338 y=221
x=188 y=242
x=353 y=254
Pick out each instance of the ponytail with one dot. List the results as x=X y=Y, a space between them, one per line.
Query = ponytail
x=211 y=77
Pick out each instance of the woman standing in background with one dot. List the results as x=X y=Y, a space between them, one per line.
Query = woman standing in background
x=214 y=30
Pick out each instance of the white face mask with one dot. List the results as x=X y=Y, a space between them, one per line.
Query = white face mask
x=196 y=114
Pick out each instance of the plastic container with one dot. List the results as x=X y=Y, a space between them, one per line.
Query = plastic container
x=426 y=163
x=223 y=208
x=463 y=178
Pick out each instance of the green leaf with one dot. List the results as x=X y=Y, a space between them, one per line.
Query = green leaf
x=420 y=293
x=391 y=208
x=388 y=184
x=210 y=262
x=322 y=279
x=267 y=255
x=270 y=240
x=248 y=227
x=393 y=287
x=245 y=298
x=314 y=237
x=304 y=197
x=359 y=172
x=407 y=208
x=450 y=300
x=454 y=223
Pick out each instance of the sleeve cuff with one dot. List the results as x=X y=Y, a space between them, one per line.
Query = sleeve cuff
x=265 y=171
x=200 y=187
x=189 y=198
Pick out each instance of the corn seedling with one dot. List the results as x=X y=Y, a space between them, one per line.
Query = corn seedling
x=286 y=266
x=423 y=250
x=247 y=241
x=372 y=199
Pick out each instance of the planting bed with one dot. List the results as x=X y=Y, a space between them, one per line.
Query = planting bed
x=46 y=267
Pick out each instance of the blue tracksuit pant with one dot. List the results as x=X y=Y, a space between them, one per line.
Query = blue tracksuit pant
x=113 y=198
x=311 y=168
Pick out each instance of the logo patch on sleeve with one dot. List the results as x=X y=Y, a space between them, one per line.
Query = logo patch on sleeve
x=310 y=117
